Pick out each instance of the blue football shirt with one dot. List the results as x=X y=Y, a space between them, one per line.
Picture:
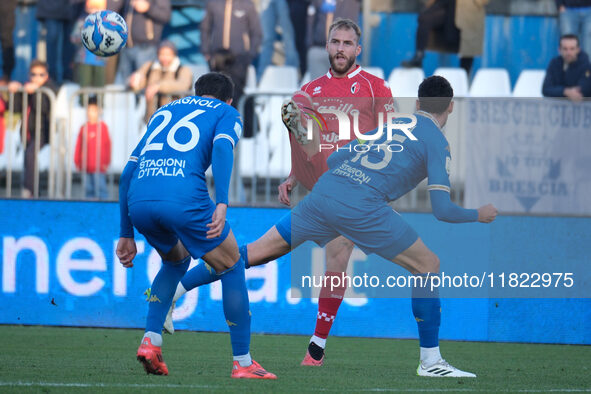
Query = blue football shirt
x=388 y=168
x=176 y=150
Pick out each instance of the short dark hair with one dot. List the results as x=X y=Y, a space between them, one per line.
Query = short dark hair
x=215 y=84
x=435 y=94
x=346 y=24
x=92 y=100
x=38 y=63
x=569 y=37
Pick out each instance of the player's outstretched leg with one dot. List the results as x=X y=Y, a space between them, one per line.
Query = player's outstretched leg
x=338 y=252
x=237 y=313
x=272 y=245
x=426 y=308
x=200 y=275
x=160 y=297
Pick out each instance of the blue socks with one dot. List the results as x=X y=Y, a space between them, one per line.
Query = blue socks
x=244 y=254
x=201 y=274
x=162 y=291
x=426 y=308
x=236 y=307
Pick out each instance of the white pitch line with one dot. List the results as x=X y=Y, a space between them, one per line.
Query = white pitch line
x=204 y=386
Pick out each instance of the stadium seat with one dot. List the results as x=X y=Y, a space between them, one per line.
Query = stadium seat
x=280 y=79
x=305 y=78
x=377 y=71
x=198 y=70
x=12 y=148
x=457 y=77
x=405 y=82
x=251 y=79
x=529 y=83
x=125 y=120
x=491 y=82
x=63 y=99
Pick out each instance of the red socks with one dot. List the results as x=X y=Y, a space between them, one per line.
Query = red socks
x=328 y=304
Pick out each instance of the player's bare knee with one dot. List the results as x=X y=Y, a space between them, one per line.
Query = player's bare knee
x=429 y=263
x=177 y=253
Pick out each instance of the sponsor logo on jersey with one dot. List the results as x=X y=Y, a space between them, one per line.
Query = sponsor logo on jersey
x=317 y=90
x=355 y=88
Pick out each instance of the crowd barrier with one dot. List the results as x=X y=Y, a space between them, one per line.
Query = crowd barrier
x=12 y=158
x=59 y=268
x=525 y=153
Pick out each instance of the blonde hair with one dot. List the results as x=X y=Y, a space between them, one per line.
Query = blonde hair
x=346 y=24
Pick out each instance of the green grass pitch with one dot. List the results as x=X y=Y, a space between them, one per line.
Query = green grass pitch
x=57 y=360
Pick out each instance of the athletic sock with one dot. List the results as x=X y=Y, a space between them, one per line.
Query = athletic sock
x=244 y=360
x=244 y=253
x=328 y=305
x=201 y=274
x=155 y=338
x=162 y=291
x=318 y=341
x=426 y=308
x=429 y=355
x=180 y=291
x=236 y=307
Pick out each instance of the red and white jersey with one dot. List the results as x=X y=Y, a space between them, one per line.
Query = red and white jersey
x=359 y=92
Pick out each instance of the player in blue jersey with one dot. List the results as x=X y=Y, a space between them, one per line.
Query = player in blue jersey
x=163 y=194
x=351 y=199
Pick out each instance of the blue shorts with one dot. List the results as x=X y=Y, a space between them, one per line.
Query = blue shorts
x=374 y=227
x=164 y=223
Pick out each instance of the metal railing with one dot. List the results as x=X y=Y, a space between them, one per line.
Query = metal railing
x=10 y=116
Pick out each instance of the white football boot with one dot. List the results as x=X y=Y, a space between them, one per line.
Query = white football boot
x=442 y=369
x=291 y=115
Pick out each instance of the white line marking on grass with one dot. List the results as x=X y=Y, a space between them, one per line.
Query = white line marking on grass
x=205 y=386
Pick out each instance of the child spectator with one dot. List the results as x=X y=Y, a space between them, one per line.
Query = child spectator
x=93 y=152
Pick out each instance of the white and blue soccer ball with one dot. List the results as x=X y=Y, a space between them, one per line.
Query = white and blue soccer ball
x=104 y=33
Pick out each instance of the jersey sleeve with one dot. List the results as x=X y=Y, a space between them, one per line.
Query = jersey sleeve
x=229 y=126
x=438 y=164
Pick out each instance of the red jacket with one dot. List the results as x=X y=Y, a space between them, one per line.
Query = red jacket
x=92 y=147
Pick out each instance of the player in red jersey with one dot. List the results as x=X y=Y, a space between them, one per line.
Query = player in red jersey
x=352 y=90
x=346 y=86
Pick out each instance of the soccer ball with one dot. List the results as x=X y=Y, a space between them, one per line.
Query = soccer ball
x=104 y=33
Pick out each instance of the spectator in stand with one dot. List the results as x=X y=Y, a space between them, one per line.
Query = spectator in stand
x=90 y=69
x=455 y=26
x=575 y=18
x=145 y=21
x=298 y=13
x=162 y=78
x=568 y=75
x=38 y=77
x=230 y=40
x=326 y=12
x=276 y=13
x=58 y=18
x=7 y=9
x=93 y=152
